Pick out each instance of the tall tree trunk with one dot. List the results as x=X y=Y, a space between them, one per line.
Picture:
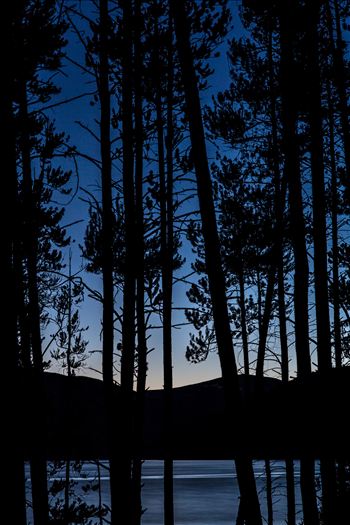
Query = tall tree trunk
x=167 y=284
x=13 y=492
x=107 y=251
x=280 y=198
x=318 y=191
x=279 y=201
x=341 y=473
x=301 y=271
x=263 y=323
x=129 y=291
x=69 y=320
x=244 y=468
x=140 y=275
x=107 y=213
x=69 y=374
x=328 y=473
x=292 y=171
x=290 y=480
x=167 y=280
x=38 y=460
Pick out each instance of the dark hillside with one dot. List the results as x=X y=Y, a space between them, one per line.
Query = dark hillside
x=281 y=421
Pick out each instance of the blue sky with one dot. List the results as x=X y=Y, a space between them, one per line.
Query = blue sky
x=75 y=82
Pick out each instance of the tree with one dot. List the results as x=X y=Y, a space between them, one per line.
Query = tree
x=70 y=352
x=30 y=59
x=71 y=346
x=140 y=270
x=14 y=493
x=244 y=468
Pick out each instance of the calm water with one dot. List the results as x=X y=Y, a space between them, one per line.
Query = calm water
x=205 y=492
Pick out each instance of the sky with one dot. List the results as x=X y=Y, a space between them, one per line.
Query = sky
x=74 y=82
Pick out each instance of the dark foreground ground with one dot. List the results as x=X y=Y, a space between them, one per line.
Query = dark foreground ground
x=299 y=419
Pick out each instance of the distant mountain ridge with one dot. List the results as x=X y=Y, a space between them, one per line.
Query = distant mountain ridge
x=281 y=420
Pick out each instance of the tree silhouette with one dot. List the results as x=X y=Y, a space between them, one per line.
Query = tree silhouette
x=244 y=468
x=33 y=22
x=224 y=181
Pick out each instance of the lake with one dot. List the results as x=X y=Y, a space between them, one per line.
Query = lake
x=205 y=492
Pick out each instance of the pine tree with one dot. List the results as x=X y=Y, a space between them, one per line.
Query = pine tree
x=216 y=279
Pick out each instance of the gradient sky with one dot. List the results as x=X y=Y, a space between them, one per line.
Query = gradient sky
x=75 y=82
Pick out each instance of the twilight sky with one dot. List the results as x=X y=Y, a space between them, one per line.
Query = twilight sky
x=73 y=117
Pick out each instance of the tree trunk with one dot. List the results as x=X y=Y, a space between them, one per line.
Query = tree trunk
x=107 y=213
x=69 y=374
x=292 y=171
x=129 y=291
x=167 y=279
x=335 y=275
x=107 y=252
x=167 y=285
x=140 y=275
x=13 y=491
x=280 y=198
x=301 y=271
x=38 y=460
x=318 y=192
x=263 y=322
x=328 y=473
x=30 y=237
x=217 y=287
